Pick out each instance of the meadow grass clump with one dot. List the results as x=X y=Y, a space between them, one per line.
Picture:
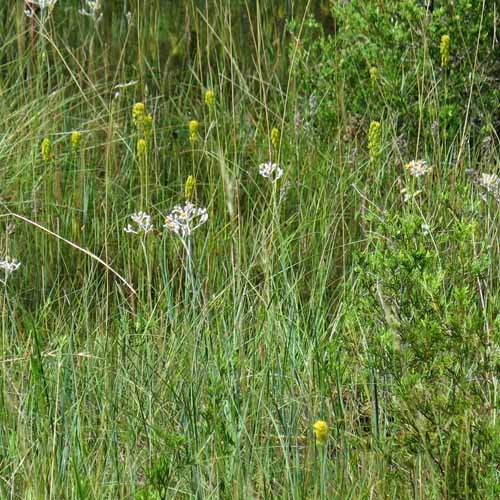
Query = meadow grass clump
x=259 y=247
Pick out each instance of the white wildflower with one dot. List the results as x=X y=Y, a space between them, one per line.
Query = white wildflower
x=142 y=222
x=408 y=195
x=42 y=4
x=184 y=220
x=271 y=171
x=94 y=10
x=417 y=168
x=9 y=266
x=38 y=4
x=490 y=184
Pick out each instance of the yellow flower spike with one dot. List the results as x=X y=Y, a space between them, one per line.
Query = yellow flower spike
x=321 y=429
x=46 y=149
x=189 y=187
x=138 y=113
x=209 y=98
x=374 y=141
x=444 y=48
x=76 y=137
x=141 y=147
x=275 y=137
x=194 y=125
x=374 y=75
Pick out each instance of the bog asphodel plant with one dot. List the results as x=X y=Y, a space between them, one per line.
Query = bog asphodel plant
x=193 y=126
x=46 y=149
x=320 y=429
x=444 y=48
x=141 y=147
x=143 y=121
x=275 y=137
x=76 y=137
x=209 y=98
x=374 y=141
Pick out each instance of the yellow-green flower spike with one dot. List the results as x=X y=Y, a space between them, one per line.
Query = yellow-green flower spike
x=321 y=429
x=141 y=147
x=194 y=125
x=76 y=137
x=189 y=187
x=374 y=141
x=46 y=148
x=209 y=98
x=374 y=75
x=138 y=113
x=444 y=48
x=275 y=137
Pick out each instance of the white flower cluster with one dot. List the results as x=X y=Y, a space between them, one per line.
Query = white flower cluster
x=184 y=220
x=271 y=171
x=94 y=9
x=9 y=266
x=143 y=223
x=41 y=4
x=417 y=168
x=490 y=184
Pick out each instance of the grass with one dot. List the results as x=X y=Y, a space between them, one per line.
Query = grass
x=131 y=368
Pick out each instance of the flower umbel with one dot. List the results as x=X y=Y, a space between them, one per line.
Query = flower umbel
x=320 y=429
x=94 y=9
x=271 y=171
x=142 y=222
x=417 y=168
x=9 y=266
x=184 y=220
x=490 y=184
x=41 y=4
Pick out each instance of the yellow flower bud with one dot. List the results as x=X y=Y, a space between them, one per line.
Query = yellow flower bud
x=209 y=98
x=46 y=149
x=189 y=187
x=320 y=429
x=275 y=137
x=75 y=139
x=374 y=141
x=444 y=48
x=193 y=130
x=138 y=112
x=141 y=147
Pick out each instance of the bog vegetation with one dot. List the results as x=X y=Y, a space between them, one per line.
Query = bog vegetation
x=249 y=249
